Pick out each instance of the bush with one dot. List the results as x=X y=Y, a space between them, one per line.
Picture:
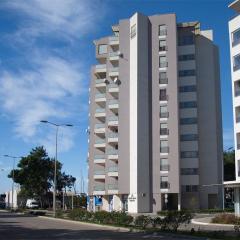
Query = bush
x=142 y=221
x=174 y=219
x=80 y=215
x=226 y=218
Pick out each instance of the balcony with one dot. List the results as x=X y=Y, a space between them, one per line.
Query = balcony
x=113 y=154
x=99 y=190
x=113 y=41
x=113 y=121
x=100 y=97
x=164 y=131
x=101 y=68
x=114 y=72
x=113 y=88
x=100 y=113
x=113 y=189
x=163 y=97
x=163 y=81
x=164 y=185
x=114 y=56
x=99 y=128
x=164 y=114
x=164 y=168
x=113 y=137
x=100 y=159
x=100 y=143
x=163 y=64
x=113 y=171
x=162 y=48
x=99 y=174
x=100 y=83
x=113 y=104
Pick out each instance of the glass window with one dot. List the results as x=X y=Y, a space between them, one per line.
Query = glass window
x=164 y=164
x=162 y=45
x=162 y=30
x=164 y=146
x=191 y=104
x=187 y=121
x=164 y=182
x=163 y=78
x=189 y=154
x=163 y=129
x=186 y=40
x=163 y=111
x=186 y=57
x=236 y=62
x=188 y=137
x=236 y=37
x=133 y=31
x=187 y=73
x=162 y=61
x=189 y=171
x=189 y=188
x=239 y=168
x=190 y=88
x=102 y=49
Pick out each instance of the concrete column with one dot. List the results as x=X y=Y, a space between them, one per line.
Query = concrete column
x=179 y=201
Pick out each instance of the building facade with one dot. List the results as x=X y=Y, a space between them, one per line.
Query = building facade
x=234 y=39
x=155 y=133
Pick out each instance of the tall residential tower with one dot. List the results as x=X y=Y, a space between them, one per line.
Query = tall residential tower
x=155 y=139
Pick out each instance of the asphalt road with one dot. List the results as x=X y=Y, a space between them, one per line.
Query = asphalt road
x=20 y=227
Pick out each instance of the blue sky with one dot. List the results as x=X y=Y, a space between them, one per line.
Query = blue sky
x=46 y=50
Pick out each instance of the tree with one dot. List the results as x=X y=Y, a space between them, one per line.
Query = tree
x=229 y=165
x=35 y=175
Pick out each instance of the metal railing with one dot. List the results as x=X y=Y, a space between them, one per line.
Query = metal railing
x=99 y=141
x=113 y=39
x=100 y=110
x=112 y=152
x=113 y=118
x=99 y=125
x=99 y=188
x=113 y=85
x=164 y=114
x=163 y=81
x=115 y=69
x=113 y=101
x=164 y=167
x=99 y=156
x=113 y=169
x=164 y=131
x=113 y=135
x=99 y=172
x=100 y=95
x=101 y=66
x=114 y=54
x=163 y=64
x=101 y=80
x=112 y=186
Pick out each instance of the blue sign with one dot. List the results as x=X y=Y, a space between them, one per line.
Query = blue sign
x=98 y=201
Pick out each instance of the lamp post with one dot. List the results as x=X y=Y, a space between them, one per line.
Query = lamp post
x=14 y=160
x=55 y=161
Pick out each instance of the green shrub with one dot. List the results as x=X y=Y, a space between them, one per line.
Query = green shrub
x=103 y=217
x=142 y=221
x=59 y=214
x=121 y=218
x=156 y=222
x=80 y=215
x=226 y=218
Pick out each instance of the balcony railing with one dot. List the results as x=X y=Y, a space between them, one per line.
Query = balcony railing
x=163 y=64
x=100 y=95
x=164 y=149
x=99 y=188
x=237 y=92
x=113 y=118
x=101 y=80
x=99 y=156
x=112 y=152
x=115 y=69
x=163 y=81
x=113 y=169
x=99 y=125
x=113 y=40
x=236 y=67
x=100 y=110
x=99 y=172
x=113 y=135
x=163 y=48
x=164 y=167
x=164 y=131
x=114 y=54
x=101 y=66
x=164 y=114
x=112 y=186
x=113 y=85
x=163 y=97
x=113 y=101
x=165 y=185
x=100 y=141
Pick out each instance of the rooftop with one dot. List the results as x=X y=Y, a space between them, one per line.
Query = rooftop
x=235 y=5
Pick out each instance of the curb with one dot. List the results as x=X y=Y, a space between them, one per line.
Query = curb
x=210 y=224
x=120 y=229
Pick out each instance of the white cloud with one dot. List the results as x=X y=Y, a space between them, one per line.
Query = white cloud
x=45 y=84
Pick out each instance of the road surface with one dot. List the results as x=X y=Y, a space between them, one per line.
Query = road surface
x=21 y=227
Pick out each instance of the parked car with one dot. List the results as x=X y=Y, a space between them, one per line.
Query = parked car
x=32 y=203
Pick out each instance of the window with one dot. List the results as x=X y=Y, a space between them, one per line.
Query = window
x=162 y=61
x=163 y=95
x=163 y=129
x=190 y=88
x=191 y=104
x=162 y=45
x=238 y=168
x=236 y=62
x=237 y=88
x=164 y=164
x=163 y=112
x=189 y=188
x=162 y=31
x=186 y=40
x=133 y=31
x=189 y=171
x=188 y=137
x=186 y=57
x=187 y=121
x=189 y=154
x=236 y=37
x=102 y=49
x=163 y=78
x=187 y=73
x=164 y=146
x=164 y=182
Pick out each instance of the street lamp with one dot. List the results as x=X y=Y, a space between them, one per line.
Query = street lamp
x=14 y=159
x=55 y=161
